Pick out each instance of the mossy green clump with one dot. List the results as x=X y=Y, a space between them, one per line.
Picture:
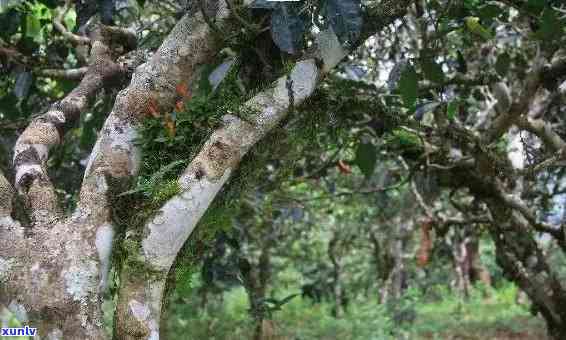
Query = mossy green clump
x=131 y=263
x=167 y=190
x=406 y=142
x=307 y=130
x=405 y=139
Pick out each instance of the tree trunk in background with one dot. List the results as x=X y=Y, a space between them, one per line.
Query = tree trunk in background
x=462 y=265
x=467 y=262
x=383 y=262
x=520 y=256
x=396 y=282
x=337 y=290
x=256 y=279
x=478 y=272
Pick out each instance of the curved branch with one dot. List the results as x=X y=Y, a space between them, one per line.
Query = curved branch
x=140 y=300
x=544 y=131
x=32 y=147
x=539 y=75
x=70 y=74
x=520 y=106
x=58 y=23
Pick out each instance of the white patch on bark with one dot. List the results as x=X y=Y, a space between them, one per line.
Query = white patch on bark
x=5 y=267
x=19 y=311
x=80 y=279
x=26 y=169
x=12 y=226
x=59 y=115
x=139 y=310
x=515 y=150
x=304 y=76
x=55 y=334
x=142 y=313
x=42 y=150
x=121 y=135
x=223 y=11
x=103 y=242
x=92 y=157
x=77 y=101
x=176 y=220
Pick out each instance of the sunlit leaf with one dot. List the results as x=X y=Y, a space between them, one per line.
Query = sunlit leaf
x=452 y=109
x=70 y=19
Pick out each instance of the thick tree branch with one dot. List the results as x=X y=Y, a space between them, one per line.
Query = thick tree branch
x=58 y=23
x=539 y=74
x=32 y=147
x=70 y=74
x=140 y=302
x=544 y=131
x=521 y=105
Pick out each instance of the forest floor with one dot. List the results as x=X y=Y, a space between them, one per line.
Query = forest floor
x=488 y=314
x=492 y=332
x=493 y=317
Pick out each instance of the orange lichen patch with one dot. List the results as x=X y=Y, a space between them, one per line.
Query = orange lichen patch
x=182 y=89
x=179 y=106
x=344 y=168
x=152 y=108
x=425 y=247
x=170 y=126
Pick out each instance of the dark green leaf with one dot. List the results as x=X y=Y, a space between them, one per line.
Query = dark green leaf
x=345 y=17
x=9 y=23
x=395 y=74
x=23 y=84
x=287 y=299
x=462 y=64
x=535 y=6
x=88 y=137
x=408 y=86
x=503 y=64
x=432 y=70
x=366 y=157
x=287 y=28
x=451 y=109
x=489 y=11
x=550 y=26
